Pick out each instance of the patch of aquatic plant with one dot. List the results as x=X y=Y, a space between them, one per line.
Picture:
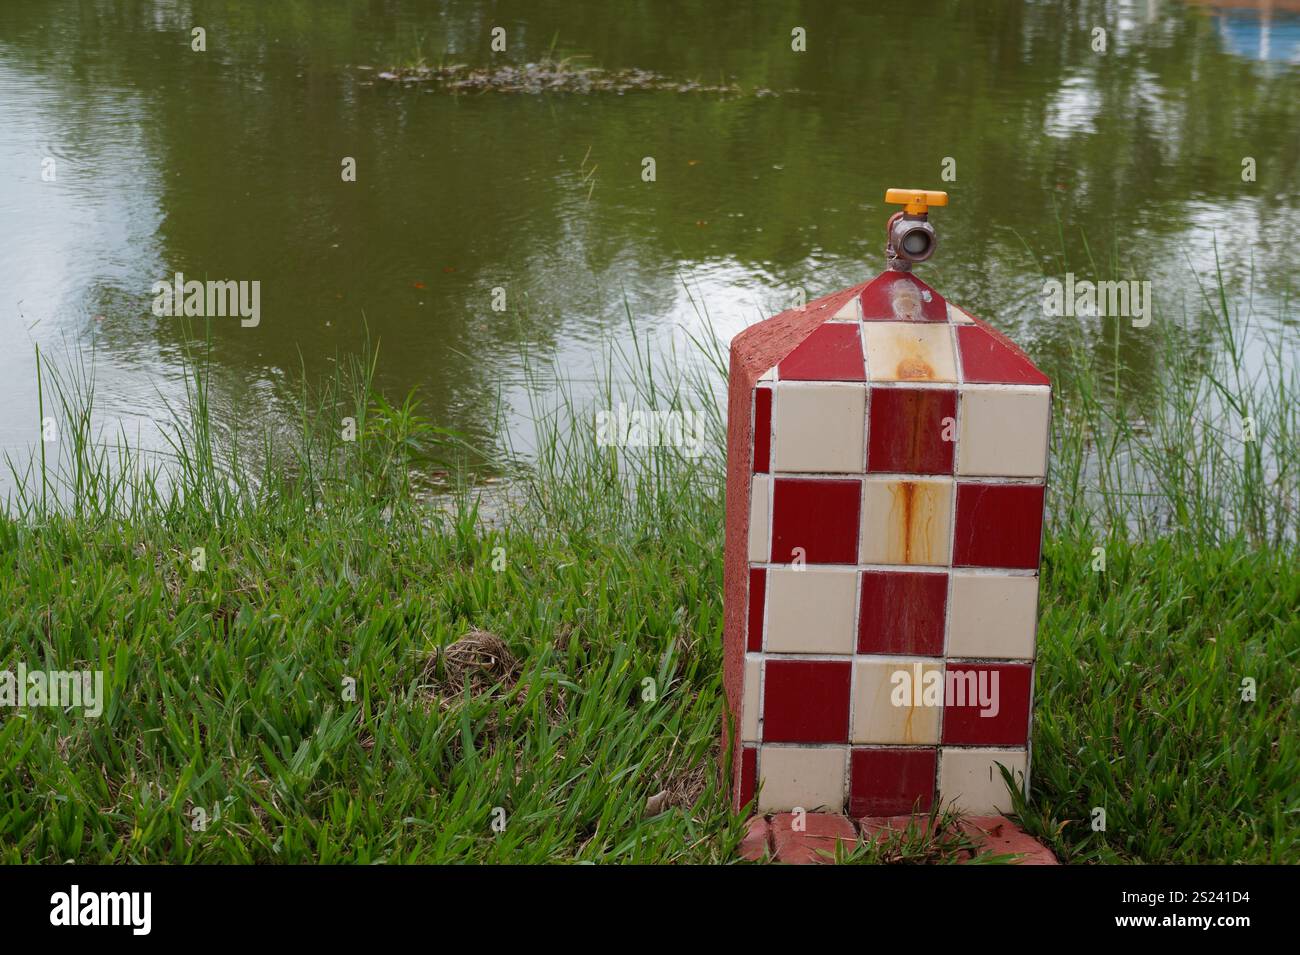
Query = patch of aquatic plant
x=548 y=76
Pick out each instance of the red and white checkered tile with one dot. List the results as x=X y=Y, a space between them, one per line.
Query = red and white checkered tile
x=899 y=460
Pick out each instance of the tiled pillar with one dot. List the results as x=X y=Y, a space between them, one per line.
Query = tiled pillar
x=886 y=464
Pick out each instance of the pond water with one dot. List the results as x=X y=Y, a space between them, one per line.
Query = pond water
x=126 y=156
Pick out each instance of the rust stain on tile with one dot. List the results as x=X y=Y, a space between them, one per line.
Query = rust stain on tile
x=911 y=521
x=917 y=436
x=907 y=492
x=908 y=350
x=914 y=368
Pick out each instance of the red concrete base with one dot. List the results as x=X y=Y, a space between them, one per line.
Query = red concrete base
x=999 y=835
x=814 y=843
x=880 y=828
x=758 y=841
x=822 y=832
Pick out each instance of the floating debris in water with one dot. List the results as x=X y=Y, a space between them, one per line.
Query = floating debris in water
x=548 y=77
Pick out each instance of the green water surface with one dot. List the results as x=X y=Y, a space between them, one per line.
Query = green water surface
x=225 y=164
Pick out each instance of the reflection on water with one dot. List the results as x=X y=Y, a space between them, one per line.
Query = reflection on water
x=1264 y=30
x=226 y=165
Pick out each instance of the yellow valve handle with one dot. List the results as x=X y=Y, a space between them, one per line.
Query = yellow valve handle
x=915 y=202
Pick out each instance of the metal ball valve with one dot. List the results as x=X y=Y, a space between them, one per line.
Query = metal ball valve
x=911 y=238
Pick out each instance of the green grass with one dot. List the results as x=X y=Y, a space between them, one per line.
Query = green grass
x=500 y=655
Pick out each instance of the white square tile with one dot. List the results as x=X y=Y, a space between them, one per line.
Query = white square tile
x=910 y=351
x=769 y=375
x=819 y=427
x=850 y=311
x=958 y=317
x=751 y=698
x=992 y=615
x=971 y=780
x=891 y=703
x=811 y=610
x=809 y=777
x=759 y=493
x=906 y=522
x=1003 y=432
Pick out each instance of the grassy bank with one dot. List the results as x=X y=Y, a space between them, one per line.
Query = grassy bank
x=358 y=674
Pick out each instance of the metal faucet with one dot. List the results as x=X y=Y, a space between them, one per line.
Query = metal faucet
x=909 y=236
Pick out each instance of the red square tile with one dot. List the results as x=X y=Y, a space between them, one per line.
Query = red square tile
x=988 y=356
x=885 y=782
x=819 y=516
x=806 y=701
x=748 y=775
x=907 y=431
x=998 y=525
x=902 y=613
x=762 y=429
x=1000 y=690
x=833 y=352
x=901 y=297
x=757 y=598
